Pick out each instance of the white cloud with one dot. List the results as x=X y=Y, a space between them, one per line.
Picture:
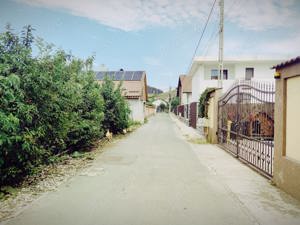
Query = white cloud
x=283 y=47
x=288 y=46
x=131 y=15
x=262 y=14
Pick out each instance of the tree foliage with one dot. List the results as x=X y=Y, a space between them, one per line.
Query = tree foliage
x=174 y=103
x=116 y=109
x=203 y=102
x=49 y=103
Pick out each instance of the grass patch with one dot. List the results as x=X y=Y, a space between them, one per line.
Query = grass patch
x=198 y=141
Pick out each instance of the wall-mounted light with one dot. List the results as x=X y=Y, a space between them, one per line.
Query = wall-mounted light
x=277 y=75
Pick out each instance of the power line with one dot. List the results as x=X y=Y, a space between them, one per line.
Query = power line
x=235 y=5
x=216 y=31
x=204 y=28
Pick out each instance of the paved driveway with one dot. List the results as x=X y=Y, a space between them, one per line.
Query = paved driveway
x=154 y=176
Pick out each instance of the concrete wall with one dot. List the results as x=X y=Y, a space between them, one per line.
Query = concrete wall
x=196 y=84
x=292 y=118
x=212 y=114
x=262 y=70
x=150 y=111
x=137 y=108
x=189 y=97
x=287 y=124
x=186 y=98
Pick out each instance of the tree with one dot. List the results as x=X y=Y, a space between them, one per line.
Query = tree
x=116 y=109
x=174 y=103
x=48 y=104
x=162 y=107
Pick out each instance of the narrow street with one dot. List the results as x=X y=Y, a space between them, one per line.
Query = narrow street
x=156 y=177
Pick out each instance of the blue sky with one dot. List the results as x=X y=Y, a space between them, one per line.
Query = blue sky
x=158 y=36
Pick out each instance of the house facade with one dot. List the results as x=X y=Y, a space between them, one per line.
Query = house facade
x=184 y=89
x=134 y=89
x=157 y=104
x=204 y=73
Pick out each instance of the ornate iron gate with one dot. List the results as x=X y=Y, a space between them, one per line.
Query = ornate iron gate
x=246 y=123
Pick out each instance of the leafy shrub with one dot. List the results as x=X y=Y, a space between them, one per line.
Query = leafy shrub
x=48 y=104
x=174 y=103
x=116 y=109
x=203 y=102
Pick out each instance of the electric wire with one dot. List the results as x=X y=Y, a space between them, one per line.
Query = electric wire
x=202 y=34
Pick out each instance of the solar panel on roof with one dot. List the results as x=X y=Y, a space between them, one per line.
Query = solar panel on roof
x=119 y=75
x=111 y=75
x=137 y=75
x=128 y=75
x=100 y=75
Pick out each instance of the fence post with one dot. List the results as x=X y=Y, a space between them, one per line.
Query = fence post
x=213 y=129
x=238 y=121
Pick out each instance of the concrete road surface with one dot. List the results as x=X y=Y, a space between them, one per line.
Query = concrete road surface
x=156 y=177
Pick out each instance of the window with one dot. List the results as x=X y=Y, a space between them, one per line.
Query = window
x=225 y=74
x=249 y=73
x=214 y=74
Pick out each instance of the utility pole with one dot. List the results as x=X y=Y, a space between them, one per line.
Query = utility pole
x=221 y=43
x=170 y=98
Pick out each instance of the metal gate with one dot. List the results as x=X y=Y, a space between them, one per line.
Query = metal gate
x=193 y=115
x=180 y=110
x=246 y=123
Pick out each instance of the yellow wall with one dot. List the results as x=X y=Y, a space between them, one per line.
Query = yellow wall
x=287 y=102
x=292 y=118
x=210 y=112
x=149 y=111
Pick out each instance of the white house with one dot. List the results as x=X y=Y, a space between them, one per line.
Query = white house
x=134 y=86
x=204 y=72
x=158 y=102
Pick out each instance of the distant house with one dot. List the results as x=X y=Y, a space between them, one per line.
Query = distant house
x=159 y=102
x=184 y=89
x=153 y=90
x=134 y=86
x=204 y=73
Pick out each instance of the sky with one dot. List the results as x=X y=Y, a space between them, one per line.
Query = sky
x=159 y=36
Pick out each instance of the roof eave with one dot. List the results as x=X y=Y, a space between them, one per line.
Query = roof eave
x=287 y=63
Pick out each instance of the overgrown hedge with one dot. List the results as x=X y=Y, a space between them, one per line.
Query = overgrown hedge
x=49 y=103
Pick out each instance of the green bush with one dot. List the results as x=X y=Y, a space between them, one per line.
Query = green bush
x=48 y=104
x=174 y=103
x=116 y=109
x=203 y=102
